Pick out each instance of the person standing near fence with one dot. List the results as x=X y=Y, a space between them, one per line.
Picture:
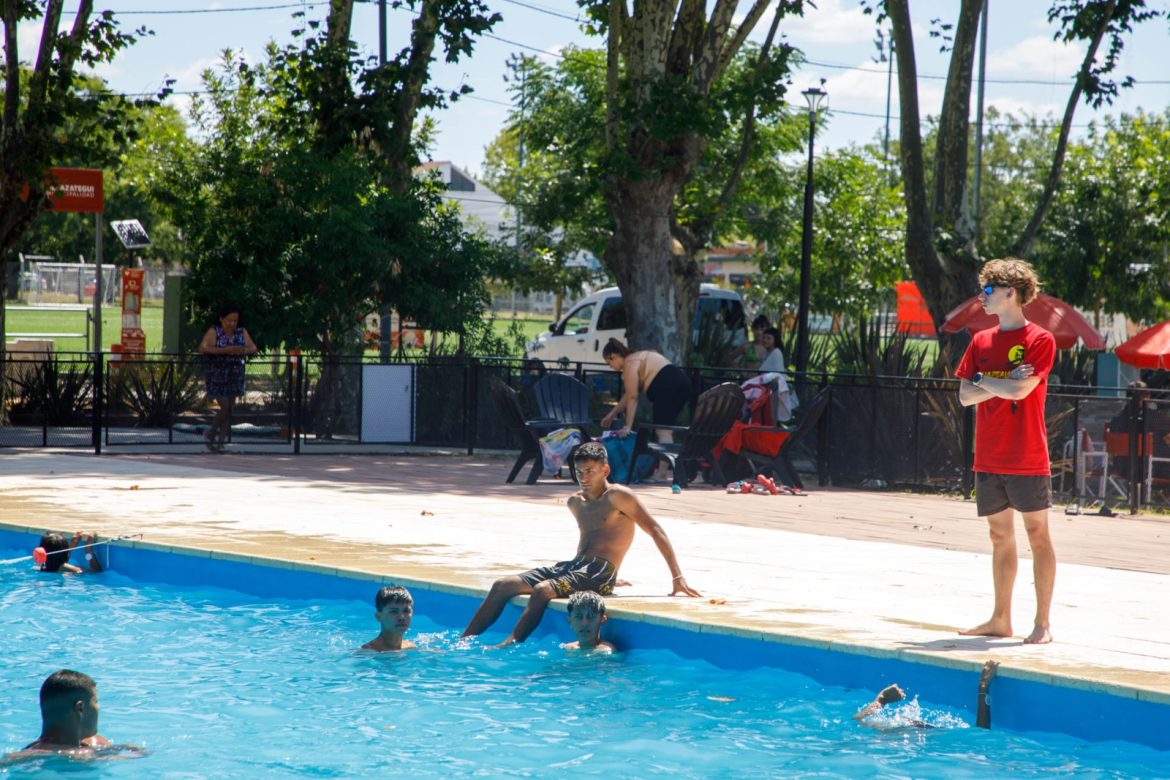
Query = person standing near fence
x=226 y=344
x=1005 y=376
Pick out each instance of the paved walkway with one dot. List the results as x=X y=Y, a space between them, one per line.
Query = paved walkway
x=895 y=572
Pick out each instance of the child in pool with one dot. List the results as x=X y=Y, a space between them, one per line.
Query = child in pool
x=586 y=614
x=891 y=694
x=57 y=552
x=69 y=721
x=395 y=606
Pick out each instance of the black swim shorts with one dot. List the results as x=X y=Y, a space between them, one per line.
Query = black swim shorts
x=668 y=394
x=567 y=577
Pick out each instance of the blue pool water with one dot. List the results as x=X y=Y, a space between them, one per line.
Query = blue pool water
x=216 y=683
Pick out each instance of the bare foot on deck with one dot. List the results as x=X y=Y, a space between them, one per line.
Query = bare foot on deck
x=1040 y=636
x=992 y=627
x=622 y=584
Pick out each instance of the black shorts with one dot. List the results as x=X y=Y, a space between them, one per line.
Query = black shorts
x=568 y=577
x=1024 y=493
x=669 y=393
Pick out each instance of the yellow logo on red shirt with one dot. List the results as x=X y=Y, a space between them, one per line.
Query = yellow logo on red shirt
x=1016 y=354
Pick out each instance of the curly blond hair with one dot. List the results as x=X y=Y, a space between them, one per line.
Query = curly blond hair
x=1012 y=272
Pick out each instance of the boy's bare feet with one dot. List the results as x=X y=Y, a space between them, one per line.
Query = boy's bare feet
x=1040 y=636
x=993 y=627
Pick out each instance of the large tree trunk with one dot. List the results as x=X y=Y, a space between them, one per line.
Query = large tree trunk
x=664 y=44
x=943 y=279
x=660 y=286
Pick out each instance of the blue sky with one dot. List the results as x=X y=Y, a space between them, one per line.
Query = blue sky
x=1027 y=70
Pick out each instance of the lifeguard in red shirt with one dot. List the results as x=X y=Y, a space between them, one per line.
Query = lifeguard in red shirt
x=1005 y=376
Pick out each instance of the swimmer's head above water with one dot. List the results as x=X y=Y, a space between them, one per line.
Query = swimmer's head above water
x=56 y=548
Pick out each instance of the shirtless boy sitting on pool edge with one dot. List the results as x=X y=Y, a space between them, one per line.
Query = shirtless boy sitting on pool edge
x=606 y=515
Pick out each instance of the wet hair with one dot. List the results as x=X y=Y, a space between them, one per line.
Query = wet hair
x=392 y=594
x=56 y=549
x=66 y=682
x=588 y=600
x=1012 y=272
x=614 y=347
x=761 y=322
x=593 y=451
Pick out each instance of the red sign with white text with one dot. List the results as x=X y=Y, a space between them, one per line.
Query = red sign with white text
x=76 y=189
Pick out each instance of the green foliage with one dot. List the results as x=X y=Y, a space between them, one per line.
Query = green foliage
x=861 y=349
x=57 y=392
x=138 y=185
x=303 y=232
x=858 y=223
x=156 y=392
x=53 y=116
x=1074 y=367
x=555 y=182
x=1104 y=244
x=715 y=345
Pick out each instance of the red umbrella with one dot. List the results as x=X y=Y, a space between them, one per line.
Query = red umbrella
x=1054 y=315
x=1148 y=349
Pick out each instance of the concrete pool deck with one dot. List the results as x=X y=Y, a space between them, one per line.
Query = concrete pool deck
x=882 y=573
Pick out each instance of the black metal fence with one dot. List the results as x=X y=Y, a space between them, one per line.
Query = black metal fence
x=878 y=432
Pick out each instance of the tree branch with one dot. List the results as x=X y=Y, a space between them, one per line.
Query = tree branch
x=422 y=45
x=11 y=73
x=950 y=163
x=340 y=21
x=38 y=82
x=749 y=127
x=612 y=64
x=707 y=57
x=69 y=48
x=741 y=34
x=687 y=35
x=918 y=220
x=1024 y=244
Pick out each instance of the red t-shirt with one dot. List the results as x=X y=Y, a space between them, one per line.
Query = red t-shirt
x=1010 y=436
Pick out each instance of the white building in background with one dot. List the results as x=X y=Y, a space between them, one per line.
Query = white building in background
x=484 y=210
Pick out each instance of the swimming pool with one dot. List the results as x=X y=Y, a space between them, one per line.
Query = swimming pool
x=224 y=683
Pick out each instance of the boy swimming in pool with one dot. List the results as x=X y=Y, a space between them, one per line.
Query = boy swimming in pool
x=891 y=694
x=69 y=720
x=395 y=607
x=606 y=515
x=586 y=614
x=57 y=551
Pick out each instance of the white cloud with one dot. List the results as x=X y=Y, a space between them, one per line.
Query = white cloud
x=1036 y=57
x=190 y=76
x=831 y=22
x=863 y=89
x=28 y=38
x=1020 y=108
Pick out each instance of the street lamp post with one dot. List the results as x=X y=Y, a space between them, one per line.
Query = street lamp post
x=816 y=98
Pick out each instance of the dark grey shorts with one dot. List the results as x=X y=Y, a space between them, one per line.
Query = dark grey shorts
x=1024 y=493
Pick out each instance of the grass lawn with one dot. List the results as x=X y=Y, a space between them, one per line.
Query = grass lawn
x=49 y=321
x=531 y=325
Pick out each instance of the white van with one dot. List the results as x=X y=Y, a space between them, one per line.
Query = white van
x=591 y=322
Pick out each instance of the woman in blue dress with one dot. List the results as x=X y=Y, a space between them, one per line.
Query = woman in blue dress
x=226 y=344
